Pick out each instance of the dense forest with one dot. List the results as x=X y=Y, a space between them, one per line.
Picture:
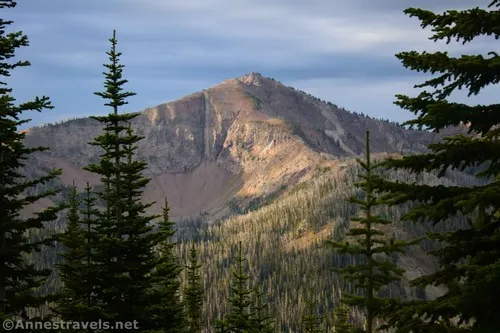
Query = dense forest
x=378 y=243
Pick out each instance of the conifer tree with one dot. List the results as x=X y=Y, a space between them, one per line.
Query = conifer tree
x=262 y=322
x=124 y=250
x=193 y=294
x=239 y=318
x=18 y=279
x=76 y=299
x=312 y=322
x=221 y=326
x=88 y=278
x=366 y=240
x=71 y=296
x=341 y=319
x=166 y=310
x=247 y=314
x=469 y=259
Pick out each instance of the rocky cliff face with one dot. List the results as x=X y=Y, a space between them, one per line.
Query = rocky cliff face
x=243 y=138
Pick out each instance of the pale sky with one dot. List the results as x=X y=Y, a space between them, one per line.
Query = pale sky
x=338 y=50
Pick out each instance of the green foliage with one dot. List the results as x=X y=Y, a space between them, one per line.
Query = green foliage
x=248 y=311
x=341 y=319
x=279 y=263
x=370 y=242
x=76 y=300
x=256 y=102
x=281 y=254
x=221 y=326
x=193 y=294
x=262 y=322
x=88 y=214
x=19 y=279
x=469 y=257
x=311 y=321
x=69 y=302
x=239 y=319
x=165 y=309
x=124 y=248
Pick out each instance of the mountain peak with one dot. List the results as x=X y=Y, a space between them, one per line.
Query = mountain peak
x=234 y=139
x=253 y=74
x=252 y=78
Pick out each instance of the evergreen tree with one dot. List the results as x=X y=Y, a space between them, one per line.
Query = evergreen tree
x=312 y=322
x=88 y=277
x=247 y=314
x=469 y=258
x=18 y=279
x=369 y=242
x=261 y=320
x=166 y=309
x=221 y=326
x=239 y=318
x=71 y=298
x=193 y=294
x=76 y=299
x=341 y=319
x=124 y=250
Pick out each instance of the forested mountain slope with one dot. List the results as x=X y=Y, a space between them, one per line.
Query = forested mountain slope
x=284 y=242
x=283 y=238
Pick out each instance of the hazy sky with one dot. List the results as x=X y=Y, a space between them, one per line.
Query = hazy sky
x=338 y=50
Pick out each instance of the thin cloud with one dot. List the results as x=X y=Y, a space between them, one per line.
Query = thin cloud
x=320 y=45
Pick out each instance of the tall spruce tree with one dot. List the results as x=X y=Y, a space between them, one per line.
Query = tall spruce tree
x=193 y=293
x=18 y=279
x=262 y=322
x=367 y=241
x=124 y=250
x=71 y=295
x=248 y=312
x=166 y=309
x=312 y=322
x=88 y=280
x=469 y=259
x=76 y=298
x=239 y=318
